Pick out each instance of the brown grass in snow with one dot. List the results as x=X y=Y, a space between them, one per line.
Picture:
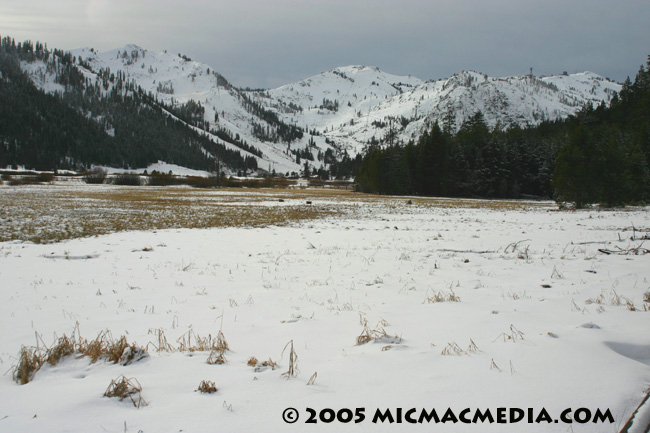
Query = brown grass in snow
x=52 y=213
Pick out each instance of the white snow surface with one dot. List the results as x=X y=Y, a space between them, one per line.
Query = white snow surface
x=528 y=282
x=161 y=167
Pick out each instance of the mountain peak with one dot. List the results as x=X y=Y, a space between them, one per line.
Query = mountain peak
x=341 y=109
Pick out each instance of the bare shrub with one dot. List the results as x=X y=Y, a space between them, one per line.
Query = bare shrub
x=96 y=175
x=164 y=179
x=127 y=179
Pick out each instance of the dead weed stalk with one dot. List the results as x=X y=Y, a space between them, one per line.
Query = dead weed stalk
x=293 y=361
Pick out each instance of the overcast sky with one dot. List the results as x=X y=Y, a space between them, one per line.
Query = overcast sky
x=268 y=43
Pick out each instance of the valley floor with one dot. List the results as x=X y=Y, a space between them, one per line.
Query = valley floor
x=458 y=303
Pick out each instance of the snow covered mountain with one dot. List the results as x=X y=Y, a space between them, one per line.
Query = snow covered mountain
x=333 y=113
x=366 y=102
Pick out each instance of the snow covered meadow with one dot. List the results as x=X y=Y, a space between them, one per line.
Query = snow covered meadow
x=433 y=304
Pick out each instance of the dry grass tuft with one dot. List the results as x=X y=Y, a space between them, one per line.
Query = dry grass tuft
x=207 y=387
x=377 y=334
x=65 y=346
x=116 y=351
x=31 y=359
x=614 y=299
x=163 y=345
x=221 y=343
x=269 y=363
x=96 y=348
x=200 y=344
x=218 y=347
x=29 y=362
x=252 y=361
x=312 y=379
x=264 y=365
x=442 y=297
x=123 y=388
x=217 y=357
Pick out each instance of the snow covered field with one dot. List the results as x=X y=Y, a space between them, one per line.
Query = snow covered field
x=467 y=304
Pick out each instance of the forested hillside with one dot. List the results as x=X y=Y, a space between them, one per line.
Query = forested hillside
x=91 y=122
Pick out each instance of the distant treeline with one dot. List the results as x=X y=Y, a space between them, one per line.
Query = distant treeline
x=601 y=155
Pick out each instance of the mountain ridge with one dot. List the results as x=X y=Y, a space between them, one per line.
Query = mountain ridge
x=332 y=115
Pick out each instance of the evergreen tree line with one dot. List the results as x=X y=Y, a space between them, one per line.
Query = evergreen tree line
x=86 y=124
x=601 y=155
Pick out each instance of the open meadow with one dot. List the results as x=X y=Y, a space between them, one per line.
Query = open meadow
x=216 y=310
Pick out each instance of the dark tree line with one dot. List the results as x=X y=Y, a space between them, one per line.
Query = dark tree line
x=87 y=124
x=601 y=155
x=606 y=157
x=475 y=162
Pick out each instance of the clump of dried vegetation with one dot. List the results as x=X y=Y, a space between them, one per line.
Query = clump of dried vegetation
x=614 y=299
x=105 y=347
x=442 y=297
x=124 y=388
x=30 y=361
x=218 y=349
x=207 y=387
x=261 y=366
x=377 y=334
x=119 y=351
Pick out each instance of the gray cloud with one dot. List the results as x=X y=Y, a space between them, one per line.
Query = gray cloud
x=269 y=43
